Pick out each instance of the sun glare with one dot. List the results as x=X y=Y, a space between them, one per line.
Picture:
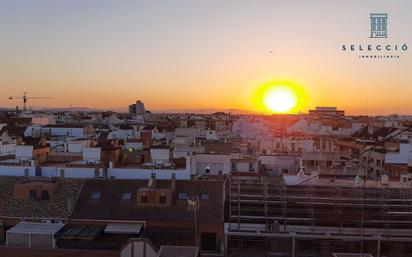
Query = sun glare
x=280 y=99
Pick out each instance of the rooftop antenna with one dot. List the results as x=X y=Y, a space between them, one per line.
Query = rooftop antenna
x=193 y=205
x=25 y=98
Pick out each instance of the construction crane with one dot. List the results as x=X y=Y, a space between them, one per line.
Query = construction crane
x=25 y=97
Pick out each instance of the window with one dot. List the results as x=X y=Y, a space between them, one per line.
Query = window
x=204 y=197
x=233 y=165
x=182 y=196
x=96 y=196
x=143 y=198
x=45 y=195
x=33 y=195
x=126 y=197
x=162 y=198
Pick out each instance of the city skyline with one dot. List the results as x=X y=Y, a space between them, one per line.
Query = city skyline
x=205 y=128
x=200 y=55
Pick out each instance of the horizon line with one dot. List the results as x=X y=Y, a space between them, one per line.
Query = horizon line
x=182 y=110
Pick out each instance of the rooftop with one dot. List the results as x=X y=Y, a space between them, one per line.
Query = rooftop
x=59 y=205
x=112 y=206
x=38 y=228
x=181 y=251
x=33 y=252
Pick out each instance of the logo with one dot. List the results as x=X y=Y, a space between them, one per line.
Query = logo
x=379 y=49
x=379 y=25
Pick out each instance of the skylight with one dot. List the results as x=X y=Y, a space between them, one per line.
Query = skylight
x=127 y=196
x=95 y=196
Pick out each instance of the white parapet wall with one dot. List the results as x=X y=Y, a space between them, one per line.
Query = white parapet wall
x=80 y=172
x=17 y=171
x=70 y=172
x=138 y=173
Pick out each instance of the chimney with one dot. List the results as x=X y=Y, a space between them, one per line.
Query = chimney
x=300 y=163
x=220 y=174
x=173 y=182
x=70 y=204
x=19 y=140
x=43 y=141
x=96 y=170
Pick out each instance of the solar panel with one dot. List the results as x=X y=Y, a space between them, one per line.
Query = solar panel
x=95 y=196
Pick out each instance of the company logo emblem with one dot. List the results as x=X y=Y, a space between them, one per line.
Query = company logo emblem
x=379 y=25
x=377 y=49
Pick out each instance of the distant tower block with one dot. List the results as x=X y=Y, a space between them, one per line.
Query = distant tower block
x=137 y=108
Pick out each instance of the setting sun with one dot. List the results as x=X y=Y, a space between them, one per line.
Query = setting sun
x=279 y=99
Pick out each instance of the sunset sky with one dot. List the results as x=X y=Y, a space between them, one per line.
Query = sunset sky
x=201 y=54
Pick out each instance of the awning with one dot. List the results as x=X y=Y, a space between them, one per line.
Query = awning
x=36 y=228
x=123 y=228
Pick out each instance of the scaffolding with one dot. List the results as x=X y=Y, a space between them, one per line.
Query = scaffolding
x=316 y=220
